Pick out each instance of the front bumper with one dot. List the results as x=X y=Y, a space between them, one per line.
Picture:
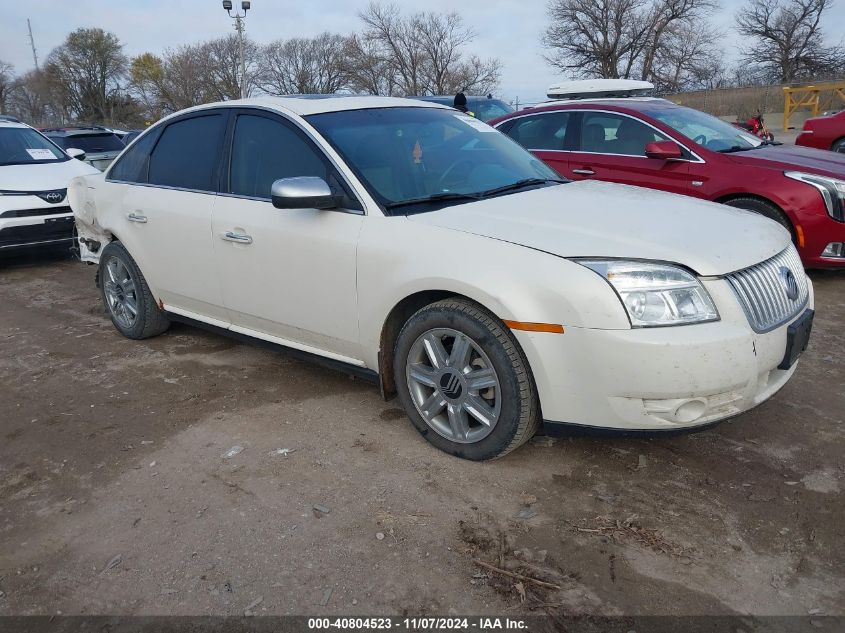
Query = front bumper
x=658 y=379
x=820 y=233
x=27 y=222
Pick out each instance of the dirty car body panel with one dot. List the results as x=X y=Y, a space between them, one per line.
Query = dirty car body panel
x=329 y=281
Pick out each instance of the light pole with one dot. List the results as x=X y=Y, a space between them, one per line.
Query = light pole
x=239 y=27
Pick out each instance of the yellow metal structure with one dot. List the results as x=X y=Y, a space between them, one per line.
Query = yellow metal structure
x=797 y=97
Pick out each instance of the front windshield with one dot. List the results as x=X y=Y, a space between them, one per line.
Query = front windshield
x=706 y=130
x=408 y=155
x=486 y=109
x=24 y=146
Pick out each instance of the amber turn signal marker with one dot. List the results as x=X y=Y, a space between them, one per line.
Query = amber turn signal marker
x=800 y=235
x=552 y=328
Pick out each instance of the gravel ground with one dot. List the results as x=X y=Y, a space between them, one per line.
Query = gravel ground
x=119 y=493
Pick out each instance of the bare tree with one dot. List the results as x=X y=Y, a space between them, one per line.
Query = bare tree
x=146 y=75
x=595 y=37
x=182 y=84
x=689 y=59
x=221 y=70
x=787 y=39
x=7 y=79
x=30 y=98
x=368 y=69
x=423 y=52
x=88 y=68
x=305 y=65
x=616 y=38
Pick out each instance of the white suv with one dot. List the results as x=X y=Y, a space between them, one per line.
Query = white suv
x=34 y=175
x=419 y=247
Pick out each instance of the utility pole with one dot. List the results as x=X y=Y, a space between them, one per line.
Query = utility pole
x=32 y=43
x=239 y=27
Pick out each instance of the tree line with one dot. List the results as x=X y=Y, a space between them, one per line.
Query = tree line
x=89 y=78
x=673 y=43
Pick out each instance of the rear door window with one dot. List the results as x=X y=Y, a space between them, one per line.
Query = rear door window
x=541 y=131
x=188 y=153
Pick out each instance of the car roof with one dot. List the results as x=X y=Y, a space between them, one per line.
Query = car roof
x=304 y=105
x=637 y=104
x=620 y=102
x=75 y=131
x=439 y=98
x=15 y=124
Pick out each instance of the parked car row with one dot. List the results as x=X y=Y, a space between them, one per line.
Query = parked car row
x=35 y=169
x=34 y=175
x=481 y=273
x=825 y=132
x=100 y=145
x=654 y=143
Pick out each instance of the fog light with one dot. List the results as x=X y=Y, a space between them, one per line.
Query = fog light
x=690 y=411
x=834 y=249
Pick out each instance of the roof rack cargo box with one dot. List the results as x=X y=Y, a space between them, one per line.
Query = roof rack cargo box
x=599 y=88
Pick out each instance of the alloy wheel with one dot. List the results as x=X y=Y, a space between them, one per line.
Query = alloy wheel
x=453 y=385
x=121 y=293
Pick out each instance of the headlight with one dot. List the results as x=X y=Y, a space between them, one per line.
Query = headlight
x=832 y=190
x=656 y=294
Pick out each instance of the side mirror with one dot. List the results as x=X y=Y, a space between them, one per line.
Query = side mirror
x=303 y=192
x=78 y=154
x=664 y=150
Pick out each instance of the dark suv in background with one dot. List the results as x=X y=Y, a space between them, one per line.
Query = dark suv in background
x=101 y=146
x=484 y=108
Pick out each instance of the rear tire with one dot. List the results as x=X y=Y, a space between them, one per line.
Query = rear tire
x=764 y=208
x=127 y=296
x=464 y=381
x=838 y=146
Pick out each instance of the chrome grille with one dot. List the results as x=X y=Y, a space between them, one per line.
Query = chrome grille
x=764 y=290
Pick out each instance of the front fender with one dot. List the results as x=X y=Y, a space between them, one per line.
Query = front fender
x=398 y=258
x=82 y=199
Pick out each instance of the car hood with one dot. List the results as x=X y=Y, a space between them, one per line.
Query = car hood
x=42 y=176
x=599 y=219
x=794 y=158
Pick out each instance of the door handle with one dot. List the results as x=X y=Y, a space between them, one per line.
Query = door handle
x=240 y=238
x=584 y=172
x=137 y=217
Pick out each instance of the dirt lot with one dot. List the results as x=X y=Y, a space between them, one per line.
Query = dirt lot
x=116 y=497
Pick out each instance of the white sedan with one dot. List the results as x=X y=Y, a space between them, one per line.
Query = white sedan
x=417 y=246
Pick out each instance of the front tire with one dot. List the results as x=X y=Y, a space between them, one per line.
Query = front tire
x=127 y=296
x=764 y=208
x=464 y=381
x=838 y=146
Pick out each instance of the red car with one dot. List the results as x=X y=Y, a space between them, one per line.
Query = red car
x=824 y=132
x=655 y=143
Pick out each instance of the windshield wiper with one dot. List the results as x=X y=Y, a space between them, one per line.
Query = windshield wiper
x=735 y=148
x=444 y=196
x=519 y=184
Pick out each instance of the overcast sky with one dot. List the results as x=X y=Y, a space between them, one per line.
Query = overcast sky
x=508 y=29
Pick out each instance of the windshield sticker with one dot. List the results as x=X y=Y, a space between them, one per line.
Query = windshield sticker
x=41 y=154
x=481 y=126
x=417 y=153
